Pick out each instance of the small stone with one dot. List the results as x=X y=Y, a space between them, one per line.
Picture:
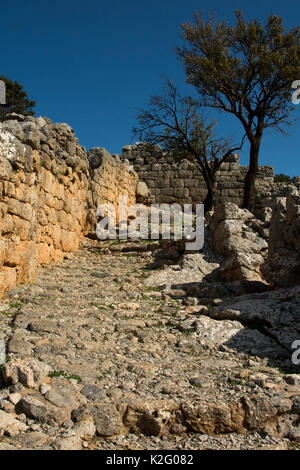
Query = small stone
x=92 y=392
x=8 y=407
x=292 y=379
x=107 y=419
x=243 y=374
x=100 y=275
x=35 y=439
x=85 y=429
x=34 y=408
x=295 y=435
x=68 y=443
x=61 y=394
x=35 y=427
x=14 y=398
x=44 y=388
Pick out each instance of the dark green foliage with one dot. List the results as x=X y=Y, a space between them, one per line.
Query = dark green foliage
x=62 y=373
x=17 y=100
x=246 y=70
x=281 y=178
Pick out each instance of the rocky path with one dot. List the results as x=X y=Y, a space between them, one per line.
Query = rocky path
x=99 y=358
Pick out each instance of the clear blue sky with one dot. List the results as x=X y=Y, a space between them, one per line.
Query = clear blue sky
x=92 y=63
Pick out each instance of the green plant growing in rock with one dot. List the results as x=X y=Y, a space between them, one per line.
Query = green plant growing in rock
x=152 y=289
x=8 y=313
x=62 y=373
x=197 y=385
x=16 y=305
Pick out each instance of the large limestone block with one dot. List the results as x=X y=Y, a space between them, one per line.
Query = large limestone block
x=10 y=425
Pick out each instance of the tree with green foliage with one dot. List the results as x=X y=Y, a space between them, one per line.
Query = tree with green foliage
x=178 y=124
x=282 y=178
x=17 y=100
x=246 y=70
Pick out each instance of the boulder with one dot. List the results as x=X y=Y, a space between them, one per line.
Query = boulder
x=31 y=373
x=239 y=237
x=282 y=267
x=142 y=192
x=10 y=425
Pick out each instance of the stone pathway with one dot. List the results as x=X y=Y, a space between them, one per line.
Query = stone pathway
x=98 y=358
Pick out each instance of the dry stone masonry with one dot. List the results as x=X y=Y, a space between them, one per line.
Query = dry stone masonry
x=141 y=344
x=50 y=189
x=171 y=180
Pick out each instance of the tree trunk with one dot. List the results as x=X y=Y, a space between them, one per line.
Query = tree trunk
x=209 y=199
x=249 y=186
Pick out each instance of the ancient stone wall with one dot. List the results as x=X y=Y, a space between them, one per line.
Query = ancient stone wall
x=170 y=180
x=110 y=178
x=49 y=191
x=283 y=265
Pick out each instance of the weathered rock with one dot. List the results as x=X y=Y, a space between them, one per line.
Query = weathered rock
x=260 y=410
x=211 y=418
x=233 y=335
x=61 y=394
x=282 y=267
x=275 y=312
x=10 y=425
x=234 y=236
x=31 y=373
x=152 y=417
x=107 y=419
x=34 y=408
x=92 y=392
x=14 y=398
x=68 y=443
x=35 y=439
x=85 y=429
x=142 y=192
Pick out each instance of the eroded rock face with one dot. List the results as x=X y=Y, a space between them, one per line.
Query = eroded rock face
x=276 y=313
x=234 y=335
x=241 y=239
x=283 y=265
